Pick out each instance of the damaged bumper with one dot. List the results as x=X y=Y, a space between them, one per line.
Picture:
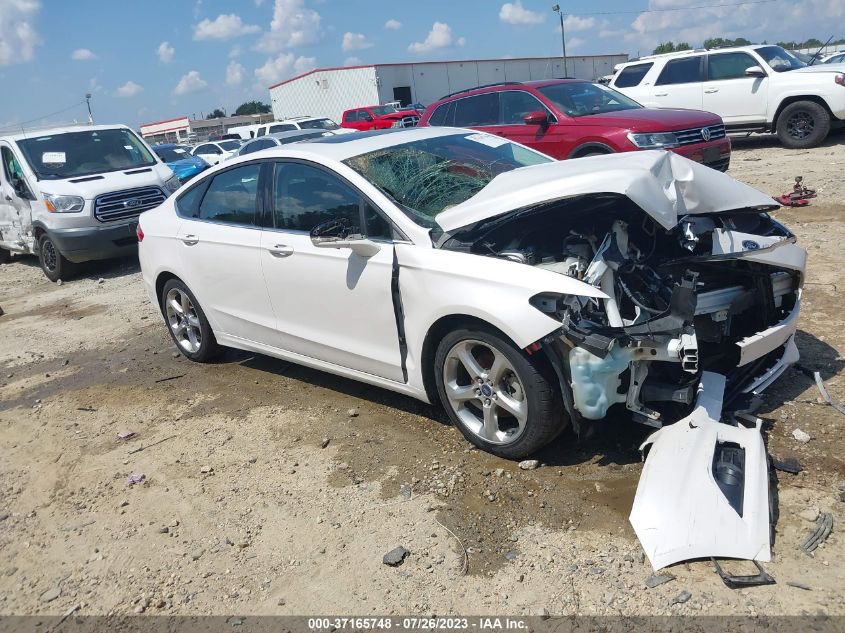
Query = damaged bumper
x=704 y=490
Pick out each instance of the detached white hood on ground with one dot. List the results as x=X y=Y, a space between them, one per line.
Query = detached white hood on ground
x=663 y=184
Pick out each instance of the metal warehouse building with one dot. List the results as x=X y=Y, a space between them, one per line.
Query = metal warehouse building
x=327 y=92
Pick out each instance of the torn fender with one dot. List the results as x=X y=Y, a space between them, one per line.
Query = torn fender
x=704 y=490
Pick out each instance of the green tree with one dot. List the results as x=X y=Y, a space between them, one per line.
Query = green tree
x=252 y=107
x=719 y=42
x=671 y=47
x=217 y=113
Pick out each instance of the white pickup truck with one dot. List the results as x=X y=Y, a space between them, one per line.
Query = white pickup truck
x=73 y=194
x=753 y=88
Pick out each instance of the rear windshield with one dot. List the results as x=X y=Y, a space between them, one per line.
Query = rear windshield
x=582 y=98
x=318 y=124
x=74 y=154
x=171 y=154
x=229 y=146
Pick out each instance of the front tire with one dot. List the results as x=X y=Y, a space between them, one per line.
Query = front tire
x=5 y=256
x=803 y=124
x=498 y=398
x=55 y=265
x=187 y=323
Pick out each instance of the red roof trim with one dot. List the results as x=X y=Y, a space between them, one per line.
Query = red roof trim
x=178 y=118
x=444 y=61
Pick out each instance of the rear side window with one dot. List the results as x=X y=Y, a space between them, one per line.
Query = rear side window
x=258 y=145
x=438 y=117
x=231 y=197
x=349 y=115
x=284 y=127
x=729 y=66
x=261 y=131
x=631 y=76
x=477 y=110
x=681 y=71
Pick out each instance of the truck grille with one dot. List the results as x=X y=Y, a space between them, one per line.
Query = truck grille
x=130 y=203
x=408 y=121
x=696 y=135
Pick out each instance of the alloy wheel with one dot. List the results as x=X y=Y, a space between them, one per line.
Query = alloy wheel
x=485 y=391
x=49 y=255
x=183 y=320
x=800 y=125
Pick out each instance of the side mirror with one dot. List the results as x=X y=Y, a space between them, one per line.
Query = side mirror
x=755 y=71
x=536 y=118
x=341 y=234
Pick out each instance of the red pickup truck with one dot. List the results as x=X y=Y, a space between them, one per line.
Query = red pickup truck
x=380 y=117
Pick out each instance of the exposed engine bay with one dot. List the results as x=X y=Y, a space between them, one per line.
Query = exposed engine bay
x=679 y=301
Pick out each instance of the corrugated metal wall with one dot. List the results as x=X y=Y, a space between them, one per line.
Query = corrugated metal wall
x=325 y=93
x=330 y=92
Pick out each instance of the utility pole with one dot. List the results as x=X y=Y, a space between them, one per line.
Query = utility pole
x=88 y=102
x=556 y=8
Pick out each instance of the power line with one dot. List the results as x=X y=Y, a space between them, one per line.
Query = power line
x=702 y=6
x=46 y=116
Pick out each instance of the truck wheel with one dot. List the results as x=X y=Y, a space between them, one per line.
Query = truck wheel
x=803 y=124
x=53 y=263
x=5 y=256
x=497 y=397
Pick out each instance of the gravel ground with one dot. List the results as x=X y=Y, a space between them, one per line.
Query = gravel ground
x=274 y=489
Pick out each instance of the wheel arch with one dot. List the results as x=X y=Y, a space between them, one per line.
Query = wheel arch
x=787 y=101
x=162 y=278
x=591 y=146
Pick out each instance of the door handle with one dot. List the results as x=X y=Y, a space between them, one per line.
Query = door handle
x=710 y=91
x=661 y=94
x=281 y=250
x=190 y=240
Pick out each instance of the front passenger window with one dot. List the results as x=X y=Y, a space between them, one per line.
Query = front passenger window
x=729 y=66
x=305 y=196
x=232 y=196
x=516 y=104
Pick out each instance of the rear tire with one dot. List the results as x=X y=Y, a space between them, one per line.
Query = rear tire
x=498 y=398
x=188 y=326
x=803 y=124
x=55 y=265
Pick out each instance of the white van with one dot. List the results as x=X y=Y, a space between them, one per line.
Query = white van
x=73 y=194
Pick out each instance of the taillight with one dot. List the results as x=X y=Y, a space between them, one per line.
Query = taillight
x=140 y=233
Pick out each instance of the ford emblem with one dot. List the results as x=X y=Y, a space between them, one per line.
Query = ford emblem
x=750 y=245
x=132 y=203
x=705 y=133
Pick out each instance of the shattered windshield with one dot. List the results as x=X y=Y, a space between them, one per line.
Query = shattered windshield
x=779 y=59
x=428 y=176
x=581 y=98
x=74 y=154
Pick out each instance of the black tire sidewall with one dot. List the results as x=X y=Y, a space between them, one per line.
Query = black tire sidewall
x=545 y=408
x=5 y=256
x=63 y=266
x=821 y=125
x=209 y=349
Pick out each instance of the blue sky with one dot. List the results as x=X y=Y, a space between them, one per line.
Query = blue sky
x=153 y=60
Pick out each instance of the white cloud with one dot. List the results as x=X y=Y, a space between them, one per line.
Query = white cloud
x=190 y=82
x=82 y=54
x=235 y=51
x=353 y=61
x=439 y=37
x=129 y=89
x=575 y=42
x=223 y=27
x=355 y=42
x=576 y=23
x=515 y=13
x=293 y=25
x=283 y=67
x=165 y=52
x=234 y=74
x=258 y=3
x=17 y=33
x=393 y=25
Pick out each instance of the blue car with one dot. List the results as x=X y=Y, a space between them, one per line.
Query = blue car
x=180 y=160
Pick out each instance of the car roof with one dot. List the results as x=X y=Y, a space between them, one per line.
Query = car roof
x=510 y=85
x=691 y=53
x=287 y=135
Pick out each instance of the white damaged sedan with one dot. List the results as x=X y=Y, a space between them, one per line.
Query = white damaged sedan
x=522 y=293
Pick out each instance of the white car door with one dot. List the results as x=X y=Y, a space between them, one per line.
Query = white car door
x=732 y=94
x=331 y=304
x=679 y=84
x=15 y=211
x=219 y=242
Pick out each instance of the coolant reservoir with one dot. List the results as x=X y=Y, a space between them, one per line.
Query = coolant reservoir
x=595 y=381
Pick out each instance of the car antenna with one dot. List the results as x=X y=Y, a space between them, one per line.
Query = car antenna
x=813 y=58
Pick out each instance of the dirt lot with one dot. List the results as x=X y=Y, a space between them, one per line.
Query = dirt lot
x=243 y=510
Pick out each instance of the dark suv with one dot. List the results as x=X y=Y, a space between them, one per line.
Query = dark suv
x=570 y=118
